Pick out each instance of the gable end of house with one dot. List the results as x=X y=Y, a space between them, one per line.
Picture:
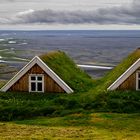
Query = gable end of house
x=131 y=71
x=58 y=82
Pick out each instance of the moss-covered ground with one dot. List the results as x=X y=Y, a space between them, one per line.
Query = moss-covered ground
x=64 y=66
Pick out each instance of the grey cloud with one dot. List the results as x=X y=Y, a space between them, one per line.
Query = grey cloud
x=128 y=14
x=7 y=1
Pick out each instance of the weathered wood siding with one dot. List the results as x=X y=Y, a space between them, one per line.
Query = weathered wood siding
x=129 y=83
x=49 y=84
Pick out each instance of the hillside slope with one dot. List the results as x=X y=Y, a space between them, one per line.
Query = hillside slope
x=19 y=105
x=63 y=66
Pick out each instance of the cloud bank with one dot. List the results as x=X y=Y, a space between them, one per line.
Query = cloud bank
x=126 y=14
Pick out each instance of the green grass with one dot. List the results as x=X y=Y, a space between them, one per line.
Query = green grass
x=61 y=64
x=109 y=78
x=2 y=83
x=73 y=116
x=98 y=126
x=17 y=106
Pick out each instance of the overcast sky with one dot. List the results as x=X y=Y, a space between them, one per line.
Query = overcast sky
x=72 y=14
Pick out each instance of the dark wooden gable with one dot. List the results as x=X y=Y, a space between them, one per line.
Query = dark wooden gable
x=23 y=83
x=130 y=82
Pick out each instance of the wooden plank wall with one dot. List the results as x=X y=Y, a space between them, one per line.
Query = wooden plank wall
x=129 y=83
x=49 y=84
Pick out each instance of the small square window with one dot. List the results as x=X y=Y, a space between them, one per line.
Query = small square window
x=33 y=78
x=36 y=83
x=39 y=78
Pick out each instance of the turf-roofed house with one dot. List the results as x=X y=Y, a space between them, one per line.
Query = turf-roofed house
x=53 y=72
x=129 y=73
x=36 y=76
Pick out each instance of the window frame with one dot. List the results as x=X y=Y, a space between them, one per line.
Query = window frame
x=36 y=81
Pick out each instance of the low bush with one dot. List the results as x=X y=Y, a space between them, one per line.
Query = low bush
x=118 y=101
x=15 y=106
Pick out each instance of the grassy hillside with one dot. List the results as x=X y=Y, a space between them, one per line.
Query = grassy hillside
x=106 y=81
x=73 y=116
x=96 y=99
x=62 y=65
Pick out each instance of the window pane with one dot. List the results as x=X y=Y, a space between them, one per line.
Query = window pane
x=138 y=84
x=33 y=86
x=32 y=77
x=39 y=78
x=39 y=86
x=139 y=75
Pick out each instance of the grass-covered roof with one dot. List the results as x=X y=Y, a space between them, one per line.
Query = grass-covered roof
x=106 y=81
x=67 y=70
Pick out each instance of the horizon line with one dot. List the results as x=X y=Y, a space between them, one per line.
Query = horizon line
x=69 y=29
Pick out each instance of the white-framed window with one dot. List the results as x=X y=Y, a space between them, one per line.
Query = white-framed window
x=138 y=80
x=36 y=83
